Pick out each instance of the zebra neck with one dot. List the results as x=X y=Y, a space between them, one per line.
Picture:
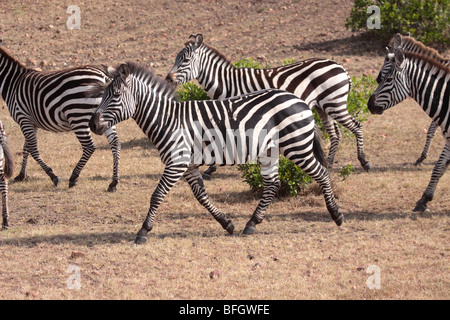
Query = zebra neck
x=428 y=86
x=155 y=115
x=221 y=80
x=10 y=72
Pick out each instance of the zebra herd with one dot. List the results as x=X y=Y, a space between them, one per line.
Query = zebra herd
x=254 y=115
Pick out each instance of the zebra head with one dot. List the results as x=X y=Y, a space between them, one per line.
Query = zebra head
x=389 y=59
x=394 y=87
x=117 y=101
x=187 y=62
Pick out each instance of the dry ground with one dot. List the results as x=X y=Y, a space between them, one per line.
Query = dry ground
x=298 y=253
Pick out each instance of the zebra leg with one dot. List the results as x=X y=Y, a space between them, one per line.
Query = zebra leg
x=31 y=143
x=23 y=171
x=114 y=143
x=170 y=176
x=430 y=135
x=438 y=171
x=333 y=132
x=320 y=174
x=356 y=128
x=88 y=146
x=207 y=174
x=271 y=185
x=195 y=180
x=4 y=191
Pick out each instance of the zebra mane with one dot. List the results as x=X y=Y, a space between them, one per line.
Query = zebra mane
x=414 y=49
x=8 y=56
x=218 y=53
x=158 y=84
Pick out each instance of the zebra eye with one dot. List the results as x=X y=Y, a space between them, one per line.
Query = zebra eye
x=116 y=92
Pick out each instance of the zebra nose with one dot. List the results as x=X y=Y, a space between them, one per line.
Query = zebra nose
x=170 y=77
x=372 y=105
x=93 y=123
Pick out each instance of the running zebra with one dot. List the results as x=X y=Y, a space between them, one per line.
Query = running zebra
x=7 y=172
x=409 y=44
x=321 y=83
x=223 y=132
x=54 y=101
x=423 y=76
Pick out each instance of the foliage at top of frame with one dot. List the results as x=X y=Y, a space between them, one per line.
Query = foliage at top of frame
x=426 y=21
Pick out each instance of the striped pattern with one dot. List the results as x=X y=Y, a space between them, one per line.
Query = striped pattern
x=424 y=77
x=5 y=173
x=410 y=45
x=54 y=101
x=225 y=132
x=323 y=84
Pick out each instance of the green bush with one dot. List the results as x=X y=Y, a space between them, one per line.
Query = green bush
x=190 y=91
x=293 y=180
x=427 y=21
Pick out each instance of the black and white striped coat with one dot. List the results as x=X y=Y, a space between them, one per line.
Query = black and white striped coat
x=423 y=76
x=233 y=131
x=412 y=46
x=323 y=84
x=6 y=171
x=56 y=101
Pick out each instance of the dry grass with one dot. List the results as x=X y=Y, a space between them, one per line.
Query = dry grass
x=298 y=252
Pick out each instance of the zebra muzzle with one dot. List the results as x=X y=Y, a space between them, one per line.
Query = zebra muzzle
x=372 y=105
x=170 y=77
x=97 y=124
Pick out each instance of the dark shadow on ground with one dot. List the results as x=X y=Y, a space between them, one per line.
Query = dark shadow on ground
x=361 y=44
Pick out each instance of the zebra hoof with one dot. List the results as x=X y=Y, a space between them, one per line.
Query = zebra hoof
x=56 y=181
x=339 y=220
x=141 y=236
x=206 y=176
x=420 y=207
x=230 y=227
x=72 y=183
x=112 y=186
x=249 y=230
x=140 y=240
x=5 y=225
x=419 y=161
x=20 y=178
x=367 y=166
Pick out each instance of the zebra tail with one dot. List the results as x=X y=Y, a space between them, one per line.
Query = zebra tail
x=8 y=159
x=319 y=154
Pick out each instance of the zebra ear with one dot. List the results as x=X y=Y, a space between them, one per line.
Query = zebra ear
x=399 y=58
x=198 y=41
x=124 y=71
x=397 y=41
x=110 y=71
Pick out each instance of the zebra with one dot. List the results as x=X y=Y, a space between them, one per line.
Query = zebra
x=224 y=132
x=57 y=101
x=5 y=173
x=410 y=45
x=321 y=83
x=424 y=77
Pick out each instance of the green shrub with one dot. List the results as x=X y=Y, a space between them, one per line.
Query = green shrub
x=293 y=180
x=346 y=171
x=362 y=89
x=427 y=21
x=190 y=91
